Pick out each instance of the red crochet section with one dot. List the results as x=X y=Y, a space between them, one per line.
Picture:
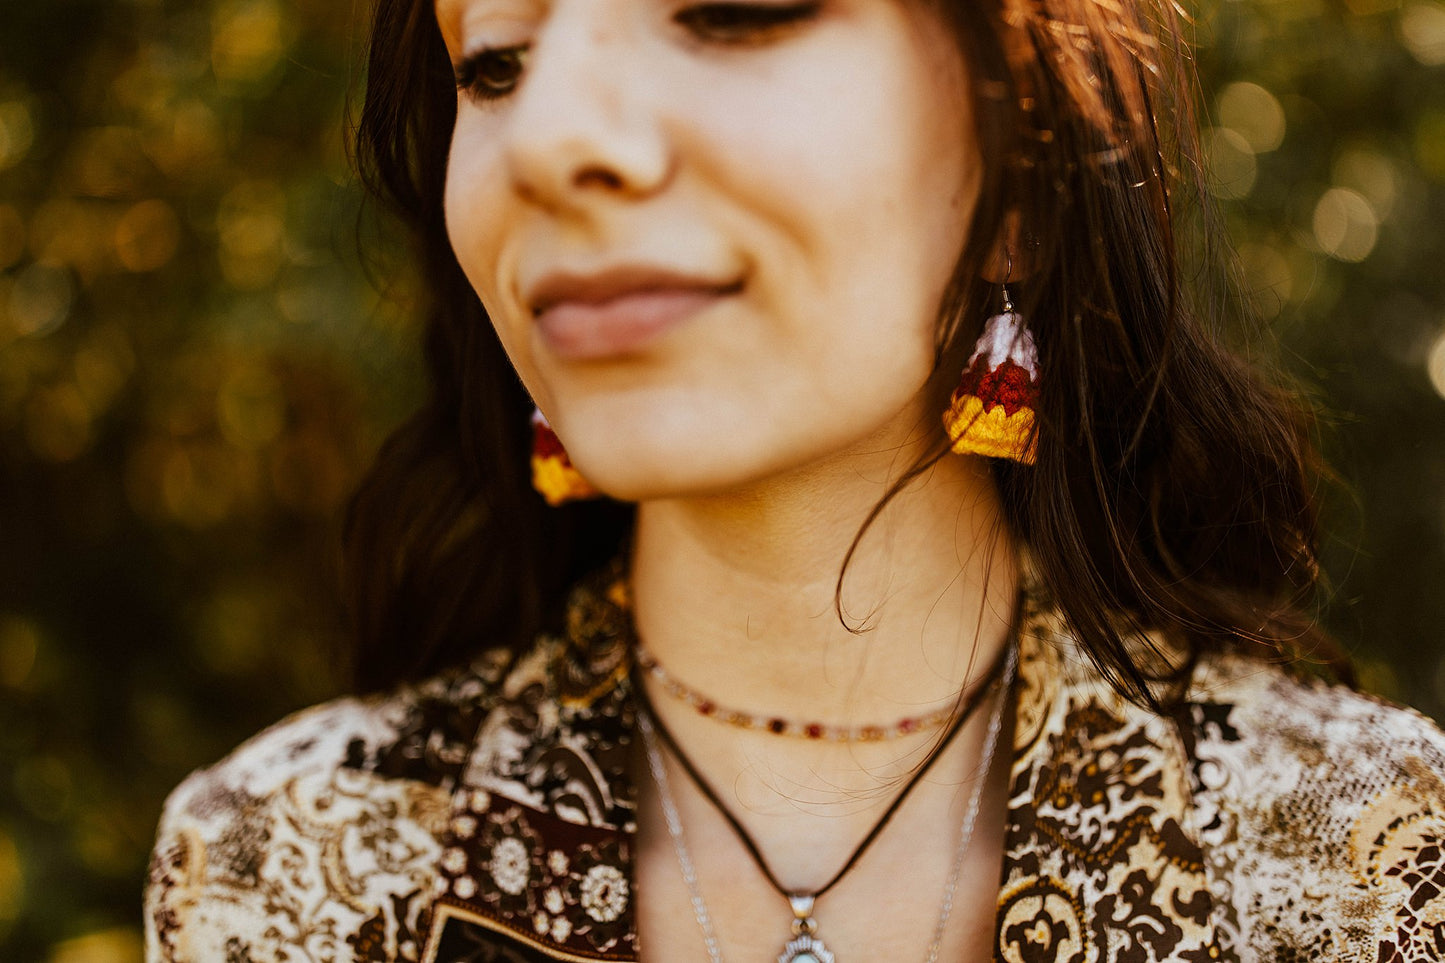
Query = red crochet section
x=553 y=474
x=1009 y=385
x=545 y=443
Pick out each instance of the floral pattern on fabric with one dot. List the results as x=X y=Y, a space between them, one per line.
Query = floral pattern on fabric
x=565 y=886
x=489 y=814
x=1325 y=808
x=271 y=859
x=1100 y=865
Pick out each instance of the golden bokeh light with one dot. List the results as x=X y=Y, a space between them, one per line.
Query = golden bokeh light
x=17 y=133
x=251 y=407
x=147 y=236
x=119 y=945
x=76 y=233
x=58 y=423
x=248 y=38
x=199 y=485
x=107 y=162
x=252 y=227
x=1254 y=113
x=1268 y=277
x=1422 y=31
x=185 y=140
x=1372 y=174
x=1230 y=162
x=1345 y=226
x=1435 y=364
x=40 y=300
x=103 y=366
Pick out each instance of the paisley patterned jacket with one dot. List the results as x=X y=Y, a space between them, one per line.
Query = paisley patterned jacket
x=488 y=815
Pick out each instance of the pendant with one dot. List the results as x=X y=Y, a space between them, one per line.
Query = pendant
x=804 y=947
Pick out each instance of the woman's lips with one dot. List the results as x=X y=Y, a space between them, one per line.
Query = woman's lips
x=597 y=321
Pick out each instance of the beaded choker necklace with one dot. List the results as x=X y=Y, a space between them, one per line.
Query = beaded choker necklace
x=805 y=946
x=778 y=726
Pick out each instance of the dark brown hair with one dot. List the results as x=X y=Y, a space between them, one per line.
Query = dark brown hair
x=1174 y=483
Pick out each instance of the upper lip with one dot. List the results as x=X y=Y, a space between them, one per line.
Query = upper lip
x=601 y=286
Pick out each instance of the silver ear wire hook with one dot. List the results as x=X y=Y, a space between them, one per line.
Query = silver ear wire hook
x=1008 y=304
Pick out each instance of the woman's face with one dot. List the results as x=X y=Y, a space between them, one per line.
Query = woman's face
x=713 y=237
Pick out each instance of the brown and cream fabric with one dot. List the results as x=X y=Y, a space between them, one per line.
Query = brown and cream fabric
x=488 y=815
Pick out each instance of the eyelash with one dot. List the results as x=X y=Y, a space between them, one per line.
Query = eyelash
x=740 y=23
x=477 y=74
x=494 y=72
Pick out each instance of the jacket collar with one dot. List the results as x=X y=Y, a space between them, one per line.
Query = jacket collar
x=539 y=850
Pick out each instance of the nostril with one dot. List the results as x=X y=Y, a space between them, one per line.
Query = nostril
x=598 y=177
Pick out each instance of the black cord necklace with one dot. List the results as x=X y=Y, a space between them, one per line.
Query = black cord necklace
x=804 y=925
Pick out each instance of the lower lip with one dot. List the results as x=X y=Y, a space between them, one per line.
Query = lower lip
x=575 y=331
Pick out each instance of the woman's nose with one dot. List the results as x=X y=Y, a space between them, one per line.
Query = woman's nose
x=584 y=127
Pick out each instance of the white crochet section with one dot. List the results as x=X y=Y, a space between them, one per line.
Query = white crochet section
x=1006 y=337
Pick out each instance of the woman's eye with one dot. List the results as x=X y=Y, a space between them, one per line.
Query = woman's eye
x=492 y=73
x=743 y=22
x=495 y=72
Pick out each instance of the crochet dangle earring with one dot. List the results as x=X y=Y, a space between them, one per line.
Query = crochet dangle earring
x=991 y=412
x=553 y=475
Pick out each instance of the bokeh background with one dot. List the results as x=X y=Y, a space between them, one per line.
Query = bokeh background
x=195 y=365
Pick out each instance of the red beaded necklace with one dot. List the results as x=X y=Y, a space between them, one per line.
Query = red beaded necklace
x=778 y=726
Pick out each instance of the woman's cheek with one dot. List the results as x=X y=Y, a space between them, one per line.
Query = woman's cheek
x=475 y=217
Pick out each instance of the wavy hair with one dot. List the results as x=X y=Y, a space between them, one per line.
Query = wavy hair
x=1174 y=488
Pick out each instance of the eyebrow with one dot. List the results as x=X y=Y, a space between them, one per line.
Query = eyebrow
x=447 y=14
x=451 y=15
x=444 y=8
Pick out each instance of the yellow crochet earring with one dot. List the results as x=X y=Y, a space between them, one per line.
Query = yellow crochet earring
x=991 y=412
x=553 y=475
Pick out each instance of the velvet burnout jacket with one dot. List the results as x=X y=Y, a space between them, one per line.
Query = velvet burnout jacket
x=489 y=815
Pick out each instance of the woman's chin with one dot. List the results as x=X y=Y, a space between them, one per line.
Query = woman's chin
x=645 y=482
x=653 y=472
x=713 y=460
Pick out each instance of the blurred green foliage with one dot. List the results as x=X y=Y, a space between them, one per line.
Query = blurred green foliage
x=194 y=368
x=193 y=371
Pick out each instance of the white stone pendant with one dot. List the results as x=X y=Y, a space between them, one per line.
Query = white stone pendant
x=805 y=949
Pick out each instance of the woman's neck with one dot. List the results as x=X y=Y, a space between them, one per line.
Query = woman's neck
x=737 y=595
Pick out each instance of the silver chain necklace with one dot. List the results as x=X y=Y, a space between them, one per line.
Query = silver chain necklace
x=804 y=946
